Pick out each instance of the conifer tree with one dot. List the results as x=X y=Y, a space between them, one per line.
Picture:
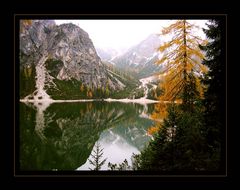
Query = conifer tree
x=215 y=99
x=96 y=158
x=195 y=142
x=181 y=57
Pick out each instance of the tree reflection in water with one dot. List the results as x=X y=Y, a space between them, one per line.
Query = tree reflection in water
x=61 y=136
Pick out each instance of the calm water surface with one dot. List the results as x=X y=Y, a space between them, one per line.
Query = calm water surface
x=61 y=136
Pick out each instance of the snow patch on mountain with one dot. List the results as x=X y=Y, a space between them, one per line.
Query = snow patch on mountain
x=145 y=82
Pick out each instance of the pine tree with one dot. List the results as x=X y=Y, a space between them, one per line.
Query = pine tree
x=179 y=145
x=215 y=98
x=182 y=56
x=122 y=166
x=195 y=142
x=96 y=158
x=190 y=94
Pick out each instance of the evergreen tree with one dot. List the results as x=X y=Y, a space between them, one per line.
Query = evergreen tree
x=122 y=166
x=159 y=153
x=215 y=99
x=190 y=94
x=96 y=158
x=179 y=144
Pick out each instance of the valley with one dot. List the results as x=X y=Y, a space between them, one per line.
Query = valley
x=72 y=97
x=116 y=95
x=61 y=70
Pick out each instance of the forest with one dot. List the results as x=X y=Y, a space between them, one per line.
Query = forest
x=171 y=121
x=191 y=137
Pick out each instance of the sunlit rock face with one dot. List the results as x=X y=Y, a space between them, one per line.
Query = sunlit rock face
x=67 y=43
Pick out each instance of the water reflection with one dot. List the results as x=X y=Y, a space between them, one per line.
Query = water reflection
x=62 y=135
x=116 y=149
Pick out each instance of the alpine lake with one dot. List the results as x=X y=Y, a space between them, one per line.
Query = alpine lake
x=62 y=136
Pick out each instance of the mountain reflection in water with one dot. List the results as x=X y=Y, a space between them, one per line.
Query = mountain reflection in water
x=61 y=136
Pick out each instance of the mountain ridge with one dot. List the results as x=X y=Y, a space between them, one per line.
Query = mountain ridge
x=68 y=44
x=141 y=58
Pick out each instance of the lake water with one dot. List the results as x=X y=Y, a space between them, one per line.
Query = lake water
x=61 y=136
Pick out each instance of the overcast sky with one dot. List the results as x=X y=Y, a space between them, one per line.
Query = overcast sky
x=122 y=34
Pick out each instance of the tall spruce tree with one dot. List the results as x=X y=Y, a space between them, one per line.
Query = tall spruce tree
x=215 y=99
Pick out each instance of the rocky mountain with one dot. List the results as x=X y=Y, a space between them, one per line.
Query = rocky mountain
x=53 y=57
x=141 y=58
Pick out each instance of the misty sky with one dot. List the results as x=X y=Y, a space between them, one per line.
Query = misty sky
x=122 y=34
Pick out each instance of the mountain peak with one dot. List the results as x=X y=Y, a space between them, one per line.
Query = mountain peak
x=62 y=53
x=142 y=57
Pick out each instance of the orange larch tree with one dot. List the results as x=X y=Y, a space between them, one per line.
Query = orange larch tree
x=182 y=57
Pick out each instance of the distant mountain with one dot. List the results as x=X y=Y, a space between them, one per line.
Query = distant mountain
x=107 y=54
x=141 y=58
x=60 y=62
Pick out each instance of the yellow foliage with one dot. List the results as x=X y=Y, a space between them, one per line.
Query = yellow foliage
x=160 y=112
x=178 y=53
x=82 y=88
x=161 y=60
x=178 y=101
x=90 y=95
x=199 y=88
x=164 y=47
x=24 y=23
x=152 y=130
x=27 y=22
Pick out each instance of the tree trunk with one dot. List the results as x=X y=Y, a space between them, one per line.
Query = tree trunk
x=185 y=63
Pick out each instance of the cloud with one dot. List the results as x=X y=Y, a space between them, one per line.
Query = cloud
x=118 y=34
